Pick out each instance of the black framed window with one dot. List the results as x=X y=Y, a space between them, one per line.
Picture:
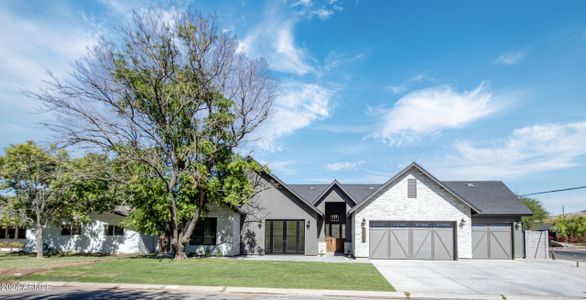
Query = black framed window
x=70 y=229
x=204 y=232
x=285 y=236
x=12 y=233
x=113 y=230
x=336 y=230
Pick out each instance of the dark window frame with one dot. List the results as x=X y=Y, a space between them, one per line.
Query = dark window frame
x=70 y=229
x=113 y=230
x=299 y=236
x=205 y=233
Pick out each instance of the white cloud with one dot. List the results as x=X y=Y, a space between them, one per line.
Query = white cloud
x=344 y=165
x=296 y=106
x=273 y=40
x=511 y=58
x=428 y=112
x=527 y=150
x=405 y=85
x=320 y=9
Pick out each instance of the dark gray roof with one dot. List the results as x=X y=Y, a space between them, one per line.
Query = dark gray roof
x=491 y=197
x=310 y=192
x=121 y=210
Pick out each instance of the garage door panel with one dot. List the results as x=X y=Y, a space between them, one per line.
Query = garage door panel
x=399 y=246
x=443 y=245
x=422 y=244
x=411 y=240
x=492 y=241
x=379 y=243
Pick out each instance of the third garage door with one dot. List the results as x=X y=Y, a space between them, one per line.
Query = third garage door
x=492 y=241
x=411 y=240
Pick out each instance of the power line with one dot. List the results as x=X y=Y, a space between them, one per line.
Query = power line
x=554 y=191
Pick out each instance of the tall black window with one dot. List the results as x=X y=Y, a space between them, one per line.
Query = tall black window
x=411 y=188
x=113 y=230
x=204 y=232
x=70 y=229
x=12 y=233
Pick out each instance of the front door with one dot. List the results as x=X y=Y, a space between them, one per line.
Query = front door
x=284 y=237
x=335 y=229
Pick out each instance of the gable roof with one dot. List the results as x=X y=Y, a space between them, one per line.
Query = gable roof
x=491 y=197
x=312 y=192
x=385 y=185
x=287 y=188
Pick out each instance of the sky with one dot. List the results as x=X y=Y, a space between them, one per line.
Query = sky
x=471 y=90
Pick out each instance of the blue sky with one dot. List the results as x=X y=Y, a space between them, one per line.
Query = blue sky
x=469 y=89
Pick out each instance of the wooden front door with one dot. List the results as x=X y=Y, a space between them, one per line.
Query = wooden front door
x=334 y=244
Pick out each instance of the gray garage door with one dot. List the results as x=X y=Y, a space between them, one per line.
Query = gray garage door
x=492 y=241
x=411 y=240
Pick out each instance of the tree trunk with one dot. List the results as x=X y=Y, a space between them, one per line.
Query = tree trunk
x=39 y=239
x=179 y=250
x=163 y=243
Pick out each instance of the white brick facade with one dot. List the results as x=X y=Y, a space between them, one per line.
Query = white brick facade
x=433 y=203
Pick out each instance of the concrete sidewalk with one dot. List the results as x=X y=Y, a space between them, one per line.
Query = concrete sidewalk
x=279 y=292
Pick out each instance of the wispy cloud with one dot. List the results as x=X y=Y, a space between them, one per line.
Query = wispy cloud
x=405 y=85
x=527 y=150
x=512 y=57
x=320 y=9
x=297 y=106
x=345 y=165
x=428 y=112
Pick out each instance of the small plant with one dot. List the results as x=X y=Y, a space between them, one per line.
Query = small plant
x=11 y=245
x=219 y=253
x=208 y=253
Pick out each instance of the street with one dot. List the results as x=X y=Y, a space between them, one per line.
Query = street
x=570 y=254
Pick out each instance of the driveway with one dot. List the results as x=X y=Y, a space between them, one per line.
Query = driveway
x=484 y=277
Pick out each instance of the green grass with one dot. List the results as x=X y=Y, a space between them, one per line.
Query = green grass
x=225 y=272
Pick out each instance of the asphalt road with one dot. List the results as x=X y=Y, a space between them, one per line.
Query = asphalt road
x=570 y=254
x=106 y=294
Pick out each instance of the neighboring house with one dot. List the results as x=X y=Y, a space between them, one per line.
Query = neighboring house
x=411 y=216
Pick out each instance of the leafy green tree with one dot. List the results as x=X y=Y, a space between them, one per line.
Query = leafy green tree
x=177 y=99
x=540 y=214
x=570 y=227
x=47 y=186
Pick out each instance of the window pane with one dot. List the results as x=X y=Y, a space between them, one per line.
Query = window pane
x=76 y=230
x=268 y=248
x=335 y=230
x=328 y=230
x=301 y=236
x=11 y=232
x=291 y=237
x=65 y=230
x=210 y=231
x=342 y=231
x=278 y=236
x=2 y=233
x=118 y=230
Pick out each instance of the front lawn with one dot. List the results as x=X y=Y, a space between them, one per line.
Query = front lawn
x=23 y=263
x=225 y=272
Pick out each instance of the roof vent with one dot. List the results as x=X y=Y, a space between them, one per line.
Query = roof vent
x=470 y=185
x=371 y=187
x=312 y=188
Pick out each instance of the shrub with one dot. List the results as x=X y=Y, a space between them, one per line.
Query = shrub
x=11 y=245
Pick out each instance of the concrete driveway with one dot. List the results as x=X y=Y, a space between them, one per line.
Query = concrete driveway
x=485 y=277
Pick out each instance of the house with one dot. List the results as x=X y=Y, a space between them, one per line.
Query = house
x=411 y=216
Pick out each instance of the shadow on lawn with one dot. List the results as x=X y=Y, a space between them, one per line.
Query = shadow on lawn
x=98 y=295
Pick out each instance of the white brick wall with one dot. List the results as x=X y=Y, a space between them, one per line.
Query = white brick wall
x=432 y=204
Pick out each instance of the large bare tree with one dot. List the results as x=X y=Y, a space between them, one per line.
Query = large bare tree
x=175 y=97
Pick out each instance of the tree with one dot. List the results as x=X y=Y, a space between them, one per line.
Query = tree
x=571 y=228
x=176 y=97
x=46 y=185
x=539 y=214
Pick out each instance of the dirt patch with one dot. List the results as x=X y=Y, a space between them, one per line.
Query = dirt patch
x=17 y=273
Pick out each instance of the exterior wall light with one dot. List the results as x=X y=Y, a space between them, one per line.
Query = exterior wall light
x=363 y=222
x=517 y=225
x=259 y=224
x=308 y=223
x=462 y=222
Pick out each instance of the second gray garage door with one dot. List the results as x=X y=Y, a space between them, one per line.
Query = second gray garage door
x=492 y=241
x=411 y=240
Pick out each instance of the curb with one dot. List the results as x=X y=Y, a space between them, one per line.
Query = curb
x=289 y=292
